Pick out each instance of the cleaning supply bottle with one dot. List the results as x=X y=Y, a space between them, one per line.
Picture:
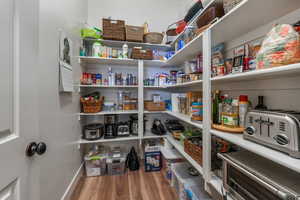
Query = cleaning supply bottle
x=125 y=51
x=243 y=109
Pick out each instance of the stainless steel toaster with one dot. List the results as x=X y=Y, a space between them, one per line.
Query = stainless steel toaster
x=276 y=129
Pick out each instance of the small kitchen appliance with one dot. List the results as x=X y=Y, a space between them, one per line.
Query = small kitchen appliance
x=134 y=129
x=123 y=129
x=276 y=129
x=110 y=122
x=93 y=131
x=247 y=176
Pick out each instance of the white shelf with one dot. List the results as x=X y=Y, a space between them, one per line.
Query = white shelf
x=110 y=113
x=193 y=21
x=155 y=87
x=149 y=135
x=107 y=86
x=185 y=118
x=156 y=63
x=186 y=84
x=119 y=44
x=118 y=139
x=111 y=61
x=154 y=112
x=283 y=71
x=119 y=61
x=248 y=15
x=177 y=145
x=189 y=51
x=276 y=156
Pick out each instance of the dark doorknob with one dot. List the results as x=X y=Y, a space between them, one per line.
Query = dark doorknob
x=33 y=148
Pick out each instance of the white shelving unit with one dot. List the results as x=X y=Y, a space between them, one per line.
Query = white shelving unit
x=119 y=44
x=247 y=16
x=107 y=86
x=118 y=139
x=276 y=156
x=180 y=149
x=185 y=118
x=179 y=85
x=120 y=112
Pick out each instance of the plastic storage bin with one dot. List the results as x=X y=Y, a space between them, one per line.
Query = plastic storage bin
x=184 y=183
x=170 y=156
x=116 y=163
x=95 y=165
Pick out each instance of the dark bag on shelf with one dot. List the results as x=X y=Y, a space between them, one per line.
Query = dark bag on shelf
x=193 y=11
x=208 y=16
x=132 y=160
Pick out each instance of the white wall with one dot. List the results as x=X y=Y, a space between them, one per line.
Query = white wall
x=158 y=13
x=58 y=123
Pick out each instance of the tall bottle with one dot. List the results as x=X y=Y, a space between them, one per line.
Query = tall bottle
x=216 y=101
x=261 y=105
x=125 y=51
x=243 y=109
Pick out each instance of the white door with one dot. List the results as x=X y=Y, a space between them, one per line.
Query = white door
x=18 y=103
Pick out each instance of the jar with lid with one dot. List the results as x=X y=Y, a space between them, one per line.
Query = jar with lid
x=230 y=115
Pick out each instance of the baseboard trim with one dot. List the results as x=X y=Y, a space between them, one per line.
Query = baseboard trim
x=71 y=187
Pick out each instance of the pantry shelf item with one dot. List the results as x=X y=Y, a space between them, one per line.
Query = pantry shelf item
x=193 y=147
x=270 y=73
x=93 y=131
x=134 y=33
x=119 y=44
x=280 y=47
x=177 y=145
x=260 y=105
x=95 y=161
x=107 y=86
x=116 y=162
x=237 y=130
x=153 y=38
x=113 y=29
x=92 y=105
x=142 y=54
x=277 y=129
x=152 y=106
x=215 y=11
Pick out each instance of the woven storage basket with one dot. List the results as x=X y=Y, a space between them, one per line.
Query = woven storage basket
x=92 y=106
x=113 y=29
x=153 y=38
x=151 y=106
x=134 y=33
x=142 y=54
x=193 y=150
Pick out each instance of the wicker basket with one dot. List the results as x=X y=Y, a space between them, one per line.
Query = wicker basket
x=151 y=106
x=141 y=54
x=153 y=38
x=92 y=106
x=134 y=33
x=193 y=150
x=113 y=29
x=130 y=104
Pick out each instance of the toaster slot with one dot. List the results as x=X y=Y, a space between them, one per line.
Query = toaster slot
x=265 y=127
x=282 y=126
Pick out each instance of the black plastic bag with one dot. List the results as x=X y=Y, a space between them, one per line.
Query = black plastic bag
x=132 y=160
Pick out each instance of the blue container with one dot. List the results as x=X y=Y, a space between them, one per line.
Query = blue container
x=153 y=161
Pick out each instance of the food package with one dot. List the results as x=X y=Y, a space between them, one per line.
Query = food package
x=280 y=47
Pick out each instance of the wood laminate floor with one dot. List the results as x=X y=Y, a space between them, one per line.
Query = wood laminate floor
x=137 y=185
